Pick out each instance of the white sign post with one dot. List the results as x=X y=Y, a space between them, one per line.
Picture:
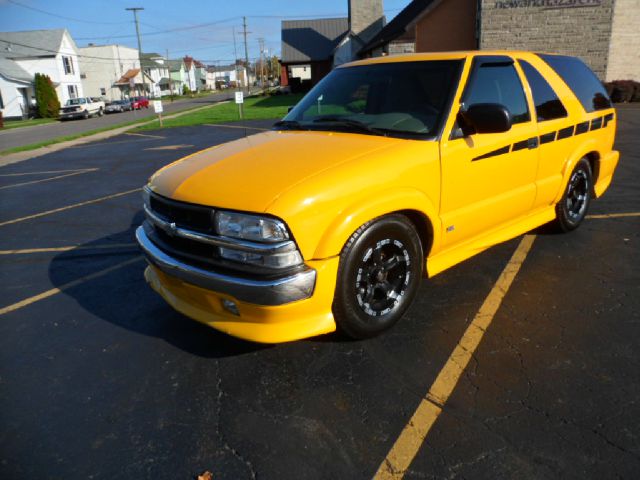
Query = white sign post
x=157 y=107
x=239 y=102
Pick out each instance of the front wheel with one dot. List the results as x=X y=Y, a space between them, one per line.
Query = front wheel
x=378 y=277
x=573 y=207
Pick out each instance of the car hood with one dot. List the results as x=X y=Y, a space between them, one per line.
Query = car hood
x=251 y=173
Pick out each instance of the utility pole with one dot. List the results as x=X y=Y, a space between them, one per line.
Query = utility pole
x=135 y=19
x=246 y=51
x=170 y=80
x=261 y=43
x=235 y=58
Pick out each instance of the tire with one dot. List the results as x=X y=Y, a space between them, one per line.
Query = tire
x=85 y=115
x=573 y=207
x=100 y=112
x=379 y=274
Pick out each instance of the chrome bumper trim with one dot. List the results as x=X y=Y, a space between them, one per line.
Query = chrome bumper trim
x=225 y=242
x=260 y=292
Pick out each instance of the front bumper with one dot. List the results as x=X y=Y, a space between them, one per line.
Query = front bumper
x=70 y=115
x=279 y=291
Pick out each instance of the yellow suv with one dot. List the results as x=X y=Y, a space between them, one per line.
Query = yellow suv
x=389 y=170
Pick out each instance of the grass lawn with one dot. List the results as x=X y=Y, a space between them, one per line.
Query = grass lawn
x=9 y=124
x=255 y=108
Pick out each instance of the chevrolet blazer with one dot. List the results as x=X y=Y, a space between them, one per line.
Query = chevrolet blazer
x=389 y=170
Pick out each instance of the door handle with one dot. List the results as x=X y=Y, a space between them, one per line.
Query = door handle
x=532 y=143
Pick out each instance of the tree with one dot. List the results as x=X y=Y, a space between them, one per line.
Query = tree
x=46 y=97
x=185 y=89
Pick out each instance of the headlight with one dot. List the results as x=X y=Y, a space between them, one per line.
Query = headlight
x=250 y=227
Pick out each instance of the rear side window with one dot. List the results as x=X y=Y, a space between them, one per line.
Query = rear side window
x=581 y=80
x=548 y=105
x=499 y=83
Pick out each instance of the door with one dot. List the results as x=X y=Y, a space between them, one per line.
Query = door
x=489 y=179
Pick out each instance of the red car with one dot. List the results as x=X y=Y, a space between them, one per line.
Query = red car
x=139 y=102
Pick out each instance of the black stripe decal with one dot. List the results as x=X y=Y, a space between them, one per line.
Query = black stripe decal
x=494 y=153
x=565 y=133
x=582 y=127
x=607 y=118
x=520 y=145
x=547 y=137
x=596 y=123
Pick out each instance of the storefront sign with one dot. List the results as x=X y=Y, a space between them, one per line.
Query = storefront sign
x=547 y=4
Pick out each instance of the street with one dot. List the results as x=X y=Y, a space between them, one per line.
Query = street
x=17 y=137
x=100 y=378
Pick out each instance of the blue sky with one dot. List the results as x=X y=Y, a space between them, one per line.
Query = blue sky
x=202 y=29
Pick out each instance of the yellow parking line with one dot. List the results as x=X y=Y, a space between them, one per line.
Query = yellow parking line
x=49 y=179
x=144 y=135
x=62 y=209
x=68 y=248
x=412 y=436
x=66 y=286
x=46 y=172
x=614 y=215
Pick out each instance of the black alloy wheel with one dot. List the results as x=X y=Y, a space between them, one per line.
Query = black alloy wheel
x=573 y=207
x=379 y=274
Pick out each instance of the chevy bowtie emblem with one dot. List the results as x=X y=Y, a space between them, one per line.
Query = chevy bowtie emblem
x=172 y=229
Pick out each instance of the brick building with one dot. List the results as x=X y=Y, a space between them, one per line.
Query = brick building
x=604 y=33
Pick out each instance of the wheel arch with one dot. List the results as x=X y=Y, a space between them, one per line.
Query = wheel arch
x=413 y=204
x=588 y=150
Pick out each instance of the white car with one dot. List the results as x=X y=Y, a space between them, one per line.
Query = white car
x=82 y=108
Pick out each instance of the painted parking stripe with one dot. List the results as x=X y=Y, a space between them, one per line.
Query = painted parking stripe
x=144 y=135
x=235 y=126
x=614 y=215
x=414 y=433
x=26 y=251
x=68 y=207
x=66 y=286
x=45 y=172
x=50 y=178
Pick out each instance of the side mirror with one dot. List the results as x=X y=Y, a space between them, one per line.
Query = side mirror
x=485 y=118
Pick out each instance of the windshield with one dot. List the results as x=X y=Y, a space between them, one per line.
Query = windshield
x=76 y=101
x=406 y=99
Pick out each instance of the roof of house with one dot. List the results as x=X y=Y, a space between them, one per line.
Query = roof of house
x=398 y=26
x=128 y=75
x=175 y=65
x=223 y=68
x=12 y=71
x=32 y=43
x=311 y=40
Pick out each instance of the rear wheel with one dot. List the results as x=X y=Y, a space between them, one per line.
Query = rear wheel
x=573 y=207
x=379 y=274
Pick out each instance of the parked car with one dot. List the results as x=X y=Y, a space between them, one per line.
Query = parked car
x=139 y=102
x=118 y=106
x=81 y=108
x=389 y=170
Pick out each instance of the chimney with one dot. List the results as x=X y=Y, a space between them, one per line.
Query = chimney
x=366 y=18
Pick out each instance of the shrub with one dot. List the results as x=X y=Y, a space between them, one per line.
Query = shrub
x=185 y=90
x=623 y=91
x=47 y=103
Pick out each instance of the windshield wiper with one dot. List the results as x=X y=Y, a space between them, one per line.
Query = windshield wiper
x=289 y=124
x=348 y=122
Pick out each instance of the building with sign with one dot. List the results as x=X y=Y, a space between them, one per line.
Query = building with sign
x=604 y=33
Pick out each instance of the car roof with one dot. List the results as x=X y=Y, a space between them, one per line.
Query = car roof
x=458 y=55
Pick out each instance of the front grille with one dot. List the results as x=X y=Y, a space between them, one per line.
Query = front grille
x=185 y=215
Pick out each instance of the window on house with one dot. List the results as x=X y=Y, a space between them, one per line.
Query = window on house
x=1 y=102
x=73 y=91
x=67 y=63
x=103 y=91
x=548 y=105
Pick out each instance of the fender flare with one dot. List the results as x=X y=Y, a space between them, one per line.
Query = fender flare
x=365 y=209
x=586 y=147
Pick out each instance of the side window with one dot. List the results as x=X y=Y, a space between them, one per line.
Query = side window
x=548 y=105
x=581 y=80
x=499 y=83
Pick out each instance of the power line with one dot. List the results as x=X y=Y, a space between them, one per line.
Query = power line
x=83 y=20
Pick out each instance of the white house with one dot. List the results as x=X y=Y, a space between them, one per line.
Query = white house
x=103 y=68
x=225 y=74
x=16 y=90
x=50 y=52
x=156 y=70
x=190 y=73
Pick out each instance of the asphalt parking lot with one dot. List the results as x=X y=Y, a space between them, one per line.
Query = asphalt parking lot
x=99 y=378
